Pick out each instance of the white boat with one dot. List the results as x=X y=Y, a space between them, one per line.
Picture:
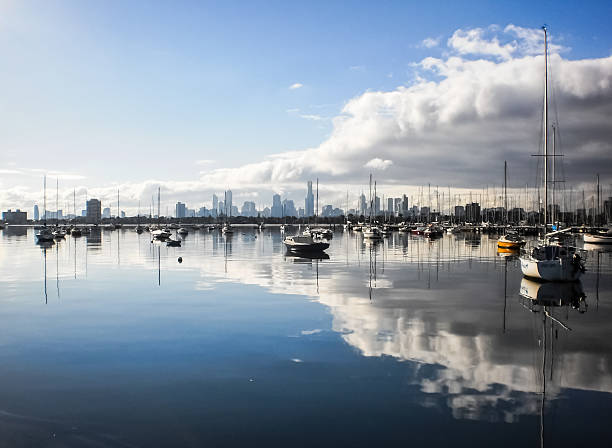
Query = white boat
x=322 y=233
x=372 y=232
x=304 y=243
x=282 y=227
x=554 y=263
x=160 y=234
x=386 y=231
x=182 y=231
x=598 y=238
x=551 y=261
x=307 y=232
x=227 y=229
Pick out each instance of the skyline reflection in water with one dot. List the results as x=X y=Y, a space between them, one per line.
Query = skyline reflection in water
x=404 y=333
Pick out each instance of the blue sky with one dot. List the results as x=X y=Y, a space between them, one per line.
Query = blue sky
x=112 y=92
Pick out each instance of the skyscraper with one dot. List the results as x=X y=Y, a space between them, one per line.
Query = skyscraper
x=309 y=201
x=277 y=207
x=215 y=203
x=179 y=210
x=228 y=203
x=36 y=213
x=94 y=211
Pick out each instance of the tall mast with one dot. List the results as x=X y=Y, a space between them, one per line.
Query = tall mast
x=45 y=198
x=370 y=193
x=158 y=202
x=117 y=203
x=57 y=200
x=545 y=128
x=74 y=202
x=505 y=192
x=317 y=211
x=554 y=182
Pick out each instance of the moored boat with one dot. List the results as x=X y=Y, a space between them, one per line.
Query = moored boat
x=599 y=237
x=304 y=243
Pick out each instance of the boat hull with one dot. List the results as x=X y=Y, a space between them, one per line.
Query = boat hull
x=312 y=247
x=550 y=270
x=597 y=239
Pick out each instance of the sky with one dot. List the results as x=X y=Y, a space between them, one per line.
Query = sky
x=259 y=97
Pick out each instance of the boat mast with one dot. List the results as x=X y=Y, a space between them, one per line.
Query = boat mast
x=45 y=199
x=117 y=203
x=56 y=201
x=370 y=198
x=545 y=128
x=505 y=192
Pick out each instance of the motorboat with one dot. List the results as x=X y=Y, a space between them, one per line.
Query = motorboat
x=604 y=237
x=322 y=233
x=386 y=231
x=372 y=232
x=304 y=243
x=160 y=234
x=227 y=229
x=511 y=240
x=182 y=231
x=76 y=232
x=307 y=232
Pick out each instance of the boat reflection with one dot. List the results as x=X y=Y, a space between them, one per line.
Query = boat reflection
x=554 y=294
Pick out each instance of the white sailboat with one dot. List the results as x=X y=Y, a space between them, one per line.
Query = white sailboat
x=44 y=235
x=548 y=260
x=372 y=231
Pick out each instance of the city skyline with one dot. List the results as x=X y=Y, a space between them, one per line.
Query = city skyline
x=454 y=100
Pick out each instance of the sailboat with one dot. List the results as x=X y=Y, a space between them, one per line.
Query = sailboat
x=45 y=235
x=372 y=231
x=551 y=261
x=227 y=227
x=511 y=239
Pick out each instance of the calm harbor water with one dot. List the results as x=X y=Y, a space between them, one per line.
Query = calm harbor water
x=107 y=340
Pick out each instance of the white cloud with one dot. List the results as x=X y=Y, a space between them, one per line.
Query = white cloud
x=378 y=164
x=430 y=42
x=313 y=117
x=473 y=41
x=357 y=68
x=204 y=162
x=295 y=86
x=455 y=124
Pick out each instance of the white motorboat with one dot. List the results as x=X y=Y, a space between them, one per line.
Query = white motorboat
x=227 y=229
x=322 y=233
x=182 y=231
x=304 y=243
x=160 y=234
x=599 y=237
x=372 y=232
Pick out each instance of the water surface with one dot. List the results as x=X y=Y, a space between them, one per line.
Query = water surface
x=107 y=340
